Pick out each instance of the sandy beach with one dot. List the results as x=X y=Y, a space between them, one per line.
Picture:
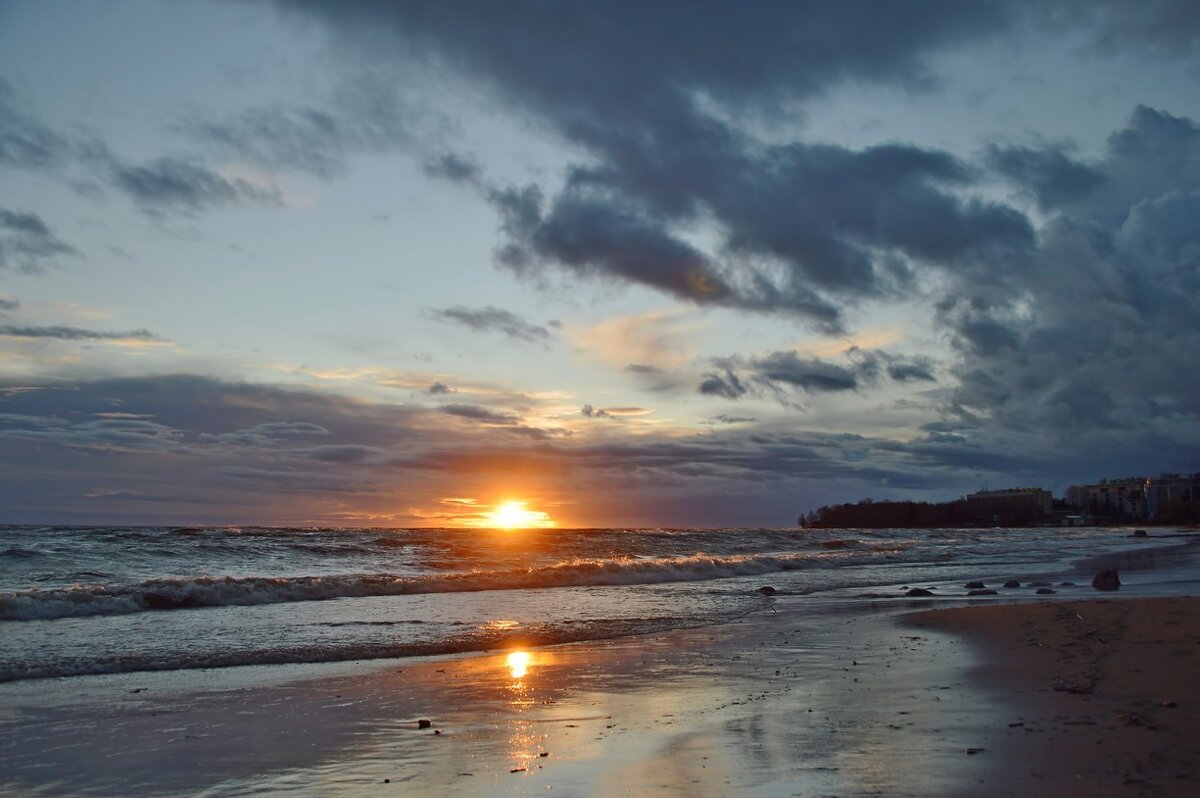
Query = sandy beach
x=1025 y=698
x=1103 y=694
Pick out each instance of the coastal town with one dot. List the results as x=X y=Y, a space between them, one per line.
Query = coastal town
x=1164 y=499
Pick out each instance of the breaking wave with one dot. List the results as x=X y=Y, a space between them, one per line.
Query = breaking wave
x=81 y=600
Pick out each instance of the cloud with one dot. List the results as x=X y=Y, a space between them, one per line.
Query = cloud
x=918 y=369
x=27 y=243
x=9 y=305
x=368 y=112
x=230 y=452
x=175 y=184
x=439 y=389
x=76 y=334
x=266 y=433
x=782 y=374
x=24 y=141
x=809 y=374
x=725 y=384
x=166 y=184
x=478 y=413
x=1088 y=348
x=1053 y=177
x=455 y=167
x=804 y=227
x=727 y=419
x=493 y=319
x=1170 y=27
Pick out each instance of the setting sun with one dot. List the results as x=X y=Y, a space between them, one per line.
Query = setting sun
x=514 y=515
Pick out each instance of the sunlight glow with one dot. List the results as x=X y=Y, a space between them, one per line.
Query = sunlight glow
x=518 y=664
x=513 y=515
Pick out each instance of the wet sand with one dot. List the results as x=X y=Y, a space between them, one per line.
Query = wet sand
x=1102 y=696
x=821 y=698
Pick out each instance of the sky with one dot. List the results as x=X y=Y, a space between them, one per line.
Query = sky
x=632 y=264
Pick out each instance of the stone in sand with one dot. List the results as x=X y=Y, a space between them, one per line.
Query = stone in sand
x=1139 y=533
x=424 y=723
x=1106 y=580
x=974 y=585
x=1012 y=583
x=767 y=590
x=1045 y=591
x=918 y=592
x=987 y=591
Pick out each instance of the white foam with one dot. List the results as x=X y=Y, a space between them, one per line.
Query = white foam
x=206 y=591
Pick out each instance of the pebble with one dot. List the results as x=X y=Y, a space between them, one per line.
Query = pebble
x=424 y=723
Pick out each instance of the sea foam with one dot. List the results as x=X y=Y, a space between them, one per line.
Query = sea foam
x=81 y=600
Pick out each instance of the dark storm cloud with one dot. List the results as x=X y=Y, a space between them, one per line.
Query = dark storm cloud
x=1093 y=346
x=1167 y=26
x=27 y=243
x=439 y=389
x=175 y=184
x=810 y=374
x=493 y=319
x=724 y=383
x=76 y=334
x=779 y=374
x=1050 y=174
x=917 y=369
x=806 y=227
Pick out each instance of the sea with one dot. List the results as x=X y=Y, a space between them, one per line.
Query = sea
x=80 y=601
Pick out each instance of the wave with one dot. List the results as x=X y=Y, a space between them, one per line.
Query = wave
x=480 y=640
x=82 y=600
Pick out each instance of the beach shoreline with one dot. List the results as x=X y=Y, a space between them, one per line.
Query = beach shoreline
x=807 y=696
x=1103 y=693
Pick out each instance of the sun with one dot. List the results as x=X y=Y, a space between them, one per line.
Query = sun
x=513 y=515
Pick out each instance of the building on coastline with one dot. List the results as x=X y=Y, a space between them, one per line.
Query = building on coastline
x=1173 y=497
x=1014 y=505
x=1121 y=499
x=1167 y=498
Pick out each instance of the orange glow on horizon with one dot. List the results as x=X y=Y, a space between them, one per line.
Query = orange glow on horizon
x=514 y=515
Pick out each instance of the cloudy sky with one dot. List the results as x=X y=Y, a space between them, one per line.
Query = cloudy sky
x=668 y=263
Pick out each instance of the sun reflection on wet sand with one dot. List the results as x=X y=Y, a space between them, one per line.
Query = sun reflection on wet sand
x=518 y=663
x=523 y=743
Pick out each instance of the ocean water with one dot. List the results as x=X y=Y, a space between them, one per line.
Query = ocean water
x=78 y=601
